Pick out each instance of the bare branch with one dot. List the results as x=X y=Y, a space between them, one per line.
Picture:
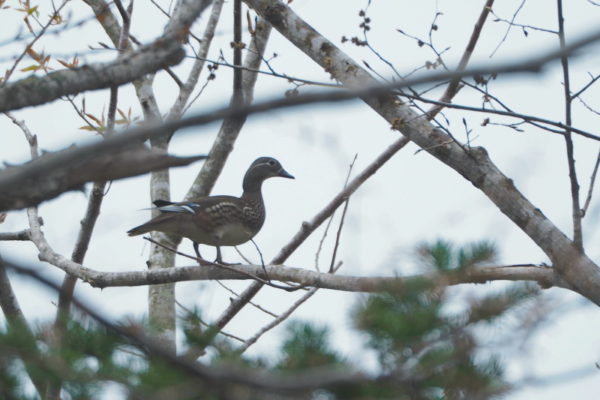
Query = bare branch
x=16 y=320
x=525 y=117
x=218 y=377
x=544 y=275
x=35 y=90
x=164 y=51
x=582 y=274
x=21 y=235
x=189 y=85
x=285 y=315
x=575 y=204
x=591 y=189
x=453 y=87
x=46 y=177
x=93 y=207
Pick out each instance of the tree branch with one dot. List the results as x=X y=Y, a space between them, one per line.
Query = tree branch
x=164 y=51
x=216 y=376
x=20 y=235
x=308 y=228
x=582 y=274
x=16 y=321
x=138 y=134
x=186 y=90
x=544 y=275
x=575 y=205
x=454 y=87
x=46 y=177
x=36 y=90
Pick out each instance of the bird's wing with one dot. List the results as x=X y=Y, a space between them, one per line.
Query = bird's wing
x=215 y=209
x=183 y=207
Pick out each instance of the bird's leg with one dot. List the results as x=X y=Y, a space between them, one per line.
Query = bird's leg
x=201 y=260
x=219 y=259
x=262 y=261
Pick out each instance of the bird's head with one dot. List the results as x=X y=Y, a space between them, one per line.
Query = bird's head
x=263 y=168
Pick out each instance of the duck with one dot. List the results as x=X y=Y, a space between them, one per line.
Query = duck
x=218 y=220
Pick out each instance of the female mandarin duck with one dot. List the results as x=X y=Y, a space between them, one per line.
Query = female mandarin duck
x=218 y=220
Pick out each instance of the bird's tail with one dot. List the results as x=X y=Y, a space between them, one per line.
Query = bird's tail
x=139 y=230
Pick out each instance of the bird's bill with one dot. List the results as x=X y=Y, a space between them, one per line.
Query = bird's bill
x=284 y=174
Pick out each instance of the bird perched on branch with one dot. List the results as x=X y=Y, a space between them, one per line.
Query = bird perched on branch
x=218 y=220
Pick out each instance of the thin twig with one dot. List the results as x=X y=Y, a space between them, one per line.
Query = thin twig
x=236 y=294
x=341 y=224
x=510 y=25
x=283 y=316
x=525 y=117
x=591 y=189
x=30 y=45
x=262 y=260
x=454 y=87
x=192 y=314
x=576 y=208
x=585 y=87
x=186 y=89
x=322 y=241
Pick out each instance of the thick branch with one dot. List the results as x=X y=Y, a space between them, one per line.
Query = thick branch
x=47 y=177
x=164 y=51
x=231 y=126
x=544 y=275
x=308 y=228
x=474 y=165
x=20 y=235
x=17 y=322
x=36 y=90
x=138 y=134
x=219 y=377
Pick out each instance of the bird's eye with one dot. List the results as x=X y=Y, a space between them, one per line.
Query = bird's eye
x=272 y=162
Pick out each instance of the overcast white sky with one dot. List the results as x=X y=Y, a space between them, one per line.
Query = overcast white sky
x=413 y=198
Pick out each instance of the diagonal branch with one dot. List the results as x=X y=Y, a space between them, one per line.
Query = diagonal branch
x=16 y=321
x=164 y=51
x=35 y=90
x=138 y=134
x=92 y=211
x=186 y=89
x=232 y=124
x=575 y=202
x=46 y=177
x=454 y=87
x=308 y=228
x=474 y=165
